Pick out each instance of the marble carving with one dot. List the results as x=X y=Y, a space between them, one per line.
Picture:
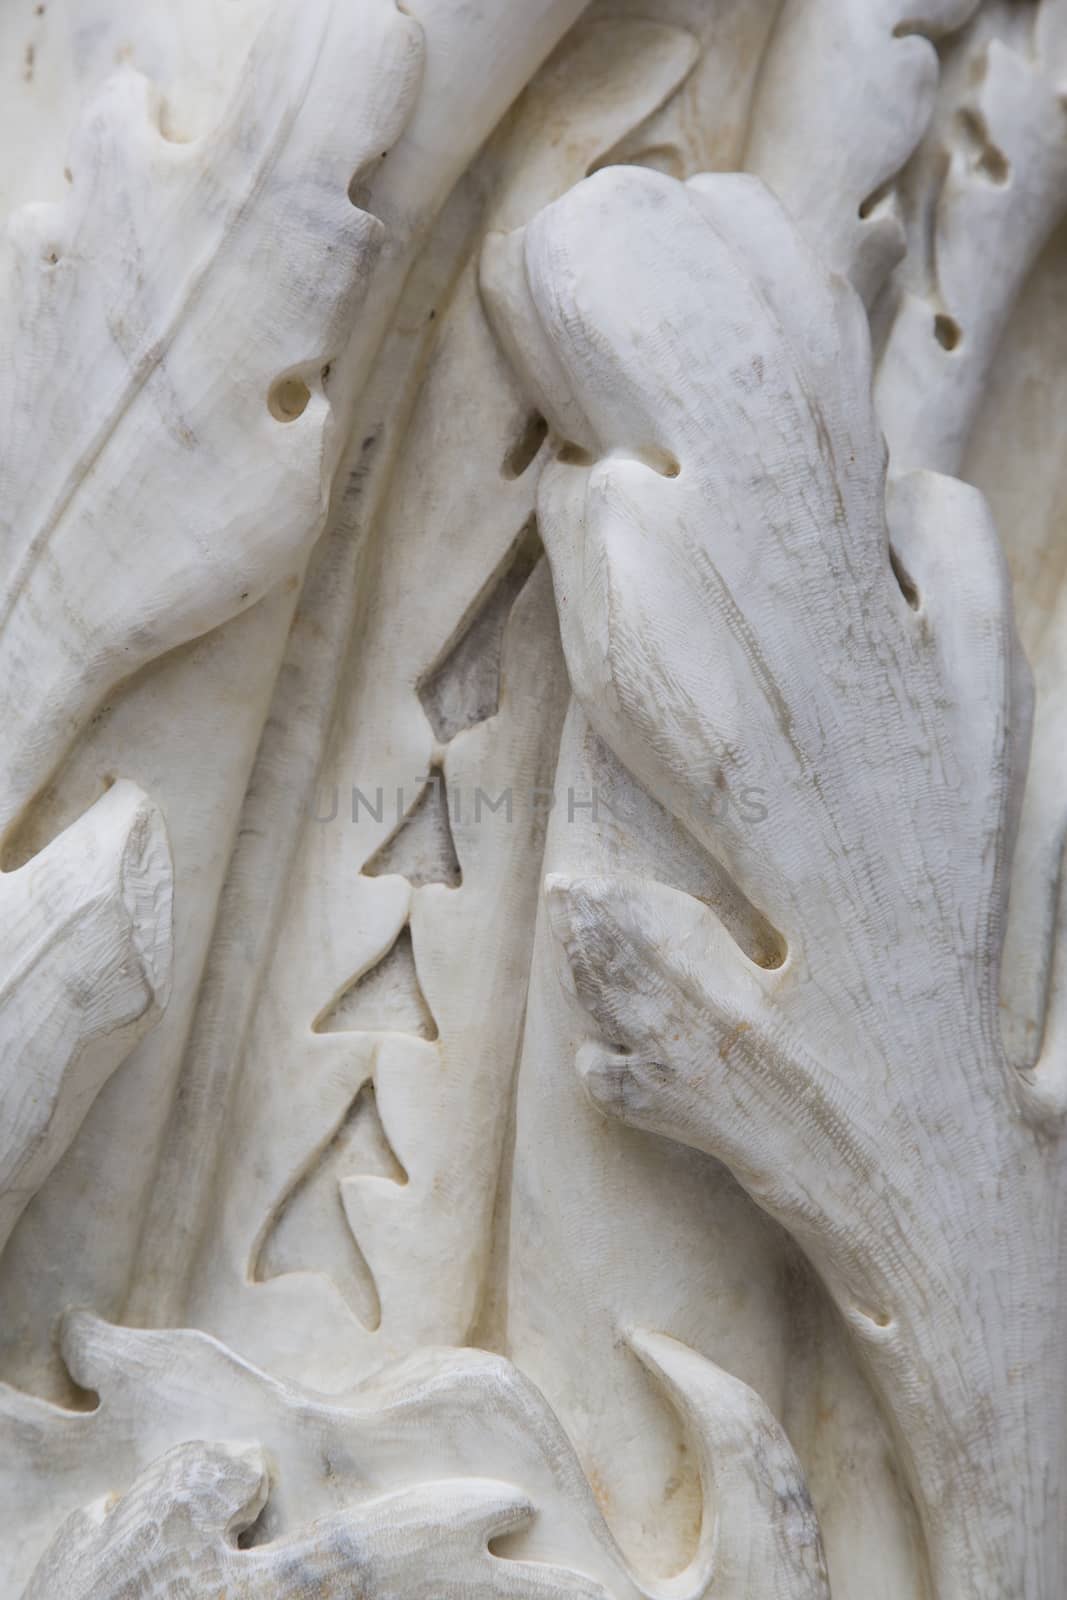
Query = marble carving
x=533 y=672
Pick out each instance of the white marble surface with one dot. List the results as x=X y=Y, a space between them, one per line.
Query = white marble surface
x=532 y=1055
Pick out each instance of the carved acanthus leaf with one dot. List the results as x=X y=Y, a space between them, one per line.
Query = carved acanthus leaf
x=201 y=1497
x=85 y=966
x=373 y=1487
x=169 y=437
x=168 y=448
x=733 y=614
x=844 y=96
x=989 y=183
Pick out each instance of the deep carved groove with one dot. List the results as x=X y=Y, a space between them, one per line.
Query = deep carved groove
x=526 y=446
x=665 y=158
x=904 y=580
x=310 y=1231
x=660 y=460
x=574 y=455
x=422 y=849
x=464 y=687
x=987 y=158
x=386 y=999
x=877 y=197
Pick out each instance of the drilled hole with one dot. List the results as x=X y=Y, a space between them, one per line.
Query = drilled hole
x=526 y=446
x=288 y=399
x=904 y=580
x=947 y=331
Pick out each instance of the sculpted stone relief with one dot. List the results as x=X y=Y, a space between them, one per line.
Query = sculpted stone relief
x=533 y=658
